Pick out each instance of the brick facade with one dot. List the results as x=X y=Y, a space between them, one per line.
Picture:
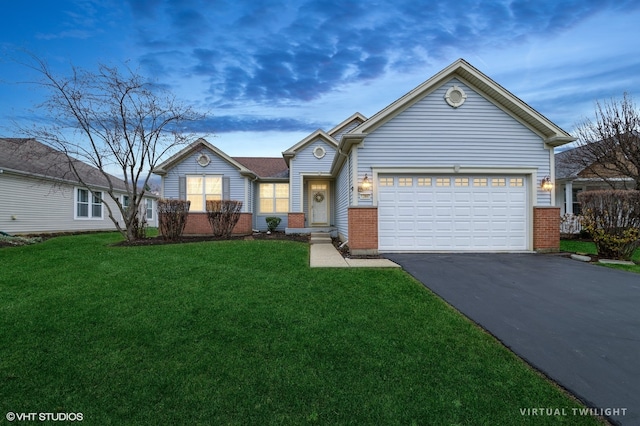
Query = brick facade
x=198 y=224
x=295 y=220
x=546 y=229
x=363 y=230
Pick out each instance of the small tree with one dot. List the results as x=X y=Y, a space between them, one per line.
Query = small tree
x=612 y=218
x=609 y=145
x=223 y=216
x=172 y=218
x=111 y=120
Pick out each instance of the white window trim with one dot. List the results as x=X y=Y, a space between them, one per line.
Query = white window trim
x=146 y=209
x=90 y=205
x=273 y=198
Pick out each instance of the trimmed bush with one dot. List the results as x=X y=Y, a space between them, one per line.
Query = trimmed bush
x=612 y=218
x=273 y=222
x=223 y=216
x=172 y=218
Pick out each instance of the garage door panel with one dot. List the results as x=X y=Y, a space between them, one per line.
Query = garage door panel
x=453 y=213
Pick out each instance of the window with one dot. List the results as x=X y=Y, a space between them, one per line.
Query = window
x=88 y=205
x=498 y=182
x=274 y=197
x=443 y=182
x=424 y=181
x=516 y=182
x=149 y=208
x=405 y=181
x=386 y=181
x=201 y=189
x=461 y=182
x=480 y=182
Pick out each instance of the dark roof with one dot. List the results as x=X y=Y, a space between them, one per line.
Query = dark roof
x=265 y=167
x=31 y=157
x=566 y=165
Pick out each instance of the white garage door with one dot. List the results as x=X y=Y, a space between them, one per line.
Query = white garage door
x=452 y=213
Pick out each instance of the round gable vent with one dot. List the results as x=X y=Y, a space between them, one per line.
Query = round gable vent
x=203 y=160
x=319 y=152
x=455 y=96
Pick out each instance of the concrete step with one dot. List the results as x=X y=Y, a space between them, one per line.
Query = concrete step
x=320 y=238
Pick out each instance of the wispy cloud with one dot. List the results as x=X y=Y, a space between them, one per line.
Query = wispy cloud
x=279 y=52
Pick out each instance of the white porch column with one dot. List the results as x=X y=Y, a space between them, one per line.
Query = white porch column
x=568 y=197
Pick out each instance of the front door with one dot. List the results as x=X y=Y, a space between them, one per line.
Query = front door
x=319 y=203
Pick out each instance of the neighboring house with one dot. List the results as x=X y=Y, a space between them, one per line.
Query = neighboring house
x=40 y=194
x=454 y=165
x=573 y=177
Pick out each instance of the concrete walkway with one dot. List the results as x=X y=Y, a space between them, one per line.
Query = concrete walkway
x=324 y=255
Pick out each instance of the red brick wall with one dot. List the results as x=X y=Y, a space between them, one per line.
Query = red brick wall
x=363 y=228
x=198 y=224
x=295 y=220
x=546 y=228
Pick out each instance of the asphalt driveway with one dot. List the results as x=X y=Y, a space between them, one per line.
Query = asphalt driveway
x=576 y=322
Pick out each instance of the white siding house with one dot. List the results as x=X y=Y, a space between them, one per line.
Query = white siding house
x=39 y=193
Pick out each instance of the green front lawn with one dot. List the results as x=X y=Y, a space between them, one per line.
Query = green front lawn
x=244 y=332
x=588 y=247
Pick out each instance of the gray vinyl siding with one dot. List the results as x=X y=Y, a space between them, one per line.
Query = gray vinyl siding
x=430 y=133
x=306 y=162
x=217 y=166
x=342 y=199
x=42 y=206
x=348 y=128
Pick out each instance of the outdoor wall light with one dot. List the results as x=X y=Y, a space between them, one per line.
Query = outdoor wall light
x=546 y=184
x=366 y=184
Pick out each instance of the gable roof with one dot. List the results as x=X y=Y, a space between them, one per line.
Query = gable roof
x=265 y=167
x=356 y=118
x=194 y=147
x=461 y=69
x=291 y=152
x=32 y=158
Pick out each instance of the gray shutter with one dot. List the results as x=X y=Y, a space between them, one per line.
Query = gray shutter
x=182 y=187
x=226 y=187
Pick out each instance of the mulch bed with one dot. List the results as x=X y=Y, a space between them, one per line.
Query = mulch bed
x=200 y=238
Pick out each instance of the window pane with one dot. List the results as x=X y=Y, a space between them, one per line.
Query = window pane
x=461 y=182
x=96 y=210
x=197 y=203
x=213 y=185
x=443 y=182
x=282 y=190
x=480 y=182
x=424 y=181
x=211 y=197
x=405 y=181
x=194 y=185
x=386 y=181
x=266 y=190
x=266 y=205
x=125 y=201
x=83 y=210
x=498 y=182
x=83 y=196
x=516 y=182
x=282 y=205
x=97 y=198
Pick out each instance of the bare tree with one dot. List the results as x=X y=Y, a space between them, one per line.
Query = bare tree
x=609 y=144
x=111 y=120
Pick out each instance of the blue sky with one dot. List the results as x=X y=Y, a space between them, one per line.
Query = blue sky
x=270 y=72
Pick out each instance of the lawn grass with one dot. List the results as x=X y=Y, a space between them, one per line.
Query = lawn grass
x=244 y=332
x=589 y=248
